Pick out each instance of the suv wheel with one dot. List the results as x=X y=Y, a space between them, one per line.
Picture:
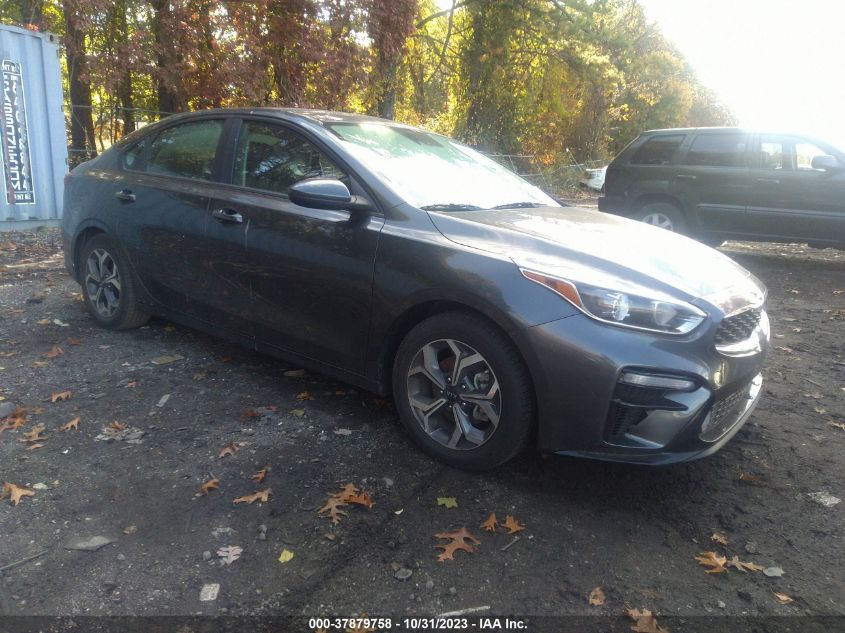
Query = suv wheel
x=664 y=215
x=463 y=392
x=108 y=285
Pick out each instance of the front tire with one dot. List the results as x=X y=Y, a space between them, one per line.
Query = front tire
x=463 y=392
x=109 y=285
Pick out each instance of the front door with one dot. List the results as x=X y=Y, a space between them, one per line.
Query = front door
x=791 y=200
x=310 y=271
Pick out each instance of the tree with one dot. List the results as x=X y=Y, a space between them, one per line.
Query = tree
x=81 y=120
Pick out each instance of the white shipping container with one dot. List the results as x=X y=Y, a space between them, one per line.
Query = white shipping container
x=33 y=143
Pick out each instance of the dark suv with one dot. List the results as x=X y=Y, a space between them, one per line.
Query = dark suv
x=728 y=183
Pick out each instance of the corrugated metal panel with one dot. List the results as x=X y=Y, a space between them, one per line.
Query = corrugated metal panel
x=33 y=143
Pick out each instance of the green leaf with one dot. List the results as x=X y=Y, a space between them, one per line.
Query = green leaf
x=447 y=502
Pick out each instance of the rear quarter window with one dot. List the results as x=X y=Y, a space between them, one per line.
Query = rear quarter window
x=658 y=150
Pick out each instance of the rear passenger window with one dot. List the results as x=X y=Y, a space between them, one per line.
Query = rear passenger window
x=186 y=150
x=658 y=150
x=717 y=150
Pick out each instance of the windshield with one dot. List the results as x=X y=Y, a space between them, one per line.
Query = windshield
x=434 y=172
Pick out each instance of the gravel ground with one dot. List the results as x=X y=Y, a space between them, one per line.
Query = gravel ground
x=150 y=433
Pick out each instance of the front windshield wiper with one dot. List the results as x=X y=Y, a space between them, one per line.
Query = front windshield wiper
x=450 y=206
x=519 y=205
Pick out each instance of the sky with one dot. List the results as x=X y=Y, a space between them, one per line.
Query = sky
x=778 y=64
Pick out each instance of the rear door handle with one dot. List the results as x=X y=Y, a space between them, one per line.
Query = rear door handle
x=771 y=181
x=125 y=195
x=686 y=176
x=227 y=215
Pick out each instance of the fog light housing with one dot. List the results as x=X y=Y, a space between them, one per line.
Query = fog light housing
x=656 y=382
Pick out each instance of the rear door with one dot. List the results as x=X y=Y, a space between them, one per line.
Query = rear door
x=162 y=201
x=310 y=271
x=712 y=178
x=791 y=200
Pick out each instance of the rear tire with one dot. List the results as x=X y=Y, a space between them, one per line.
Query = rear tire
x=463 y=392
x=109 y=286
x=664 y=215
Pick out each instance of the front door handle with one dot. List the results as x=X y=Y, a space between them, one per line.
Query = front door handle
x=771 y=181
x=685 y=176
x=125 y=195
x=227 y=215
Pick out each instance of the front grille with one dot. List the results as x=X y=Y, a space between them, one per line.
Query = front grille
x=723 y=414
x=739 y=327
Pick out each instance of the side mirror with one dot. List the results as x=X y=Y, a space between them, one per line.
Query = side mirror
x=827 y=163
x=324 y=193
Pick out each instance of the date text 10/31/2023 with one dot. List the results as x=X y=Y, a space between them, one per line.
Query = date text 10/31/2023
x=418 y=624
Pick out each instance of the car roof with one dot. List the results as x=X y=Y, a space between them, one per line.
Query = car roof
x=321 y=117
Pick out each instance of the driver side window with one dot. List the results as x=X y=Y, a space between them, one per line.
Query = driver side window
x=272 y=158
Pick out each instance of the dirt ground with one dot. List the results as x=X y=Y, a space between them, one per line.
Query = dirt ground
x=632 y=531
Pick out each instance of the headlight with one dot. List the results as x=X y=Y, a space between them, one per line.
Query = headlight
x=653 y=312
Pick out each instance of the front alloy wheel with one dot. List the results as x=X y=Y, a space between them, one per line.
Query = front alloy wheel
x=454 y=394
x=463 y=392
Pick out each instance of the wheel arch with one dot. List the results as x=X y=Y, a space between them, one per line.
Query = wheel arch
x=84 y=233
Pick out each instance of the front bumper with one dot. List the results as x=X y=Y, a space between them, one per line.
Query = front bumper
x=584 y=410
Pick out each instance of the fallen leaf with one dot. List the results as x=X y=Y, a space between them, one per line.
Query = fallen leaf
x=73 y=341
x=33 y=447
x=815 y=395
x=60 y=323
x=73 y=424
x=785 y=350
x=166 y=359
x=743 y=567
x=117 y=426
x=838 y=425
x=597 y=597
x=16 y=493
x=262 y=495
x=130 y=529
x=230 y=449
x=820 y=410
x=714 y=561
x=34 y=435
x=644 y=621
x=347 y=492
x=512 y=525
x=43 y=322
x=363 y=499
x=720 y=538
x=304 y=395
x=54 y=352
x=749 y=478
x=260 y=475
x=207 y=486
x=229 y=553
x=342 y=432
x=60 y=396
x=782 y=598
x=298 y=413
x=447 y=502
x=332 y=509
x=249 y=414
x=458 y=540
x=286 y=556
x=490 y=523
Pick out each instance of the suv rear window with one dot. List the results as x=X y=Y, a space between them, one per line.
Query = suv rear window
x=657 y=150
x=717 y=150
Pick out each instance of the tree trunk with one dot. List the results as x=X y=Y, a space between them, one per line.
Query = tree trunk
x=82 y=141
x=32 y=13
x=124 y=85
x=170 y=94
x=390 y=24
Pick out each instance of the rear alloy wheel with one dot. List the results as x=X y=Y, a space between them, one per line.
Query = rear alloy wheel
x=108 y=285
x=662 y=215
x=462 y=391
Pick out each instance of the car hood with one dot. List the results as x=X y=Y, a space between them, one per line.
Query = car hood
x=606 y=250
